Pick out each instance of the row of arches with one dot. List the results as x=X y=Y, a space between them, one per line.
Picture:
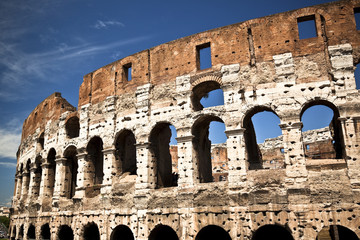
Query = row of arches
x=165 y=232
x=163 y=153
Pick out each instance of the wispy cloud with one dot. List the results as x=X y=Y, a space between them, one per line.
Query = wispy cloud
x=105 y=24
x=9 y=141
x=19 y=66
x=8 y=164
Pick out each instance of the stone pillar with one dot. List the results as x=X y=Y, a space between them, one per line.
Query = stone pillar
x=351 y=141
x=82 y=180
x=60 y=178
x=146 y=167
x=18 y=185
x=45 y=188
x=25 y=185
x=109 y=160
x=32 y=181
x=188 y=170
x=236 y=152
x=295 y=161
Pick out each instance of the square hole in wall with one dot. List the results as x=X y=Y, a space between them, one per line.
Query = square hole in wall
x=203 y=56
x=128 y=71
x=307 y=27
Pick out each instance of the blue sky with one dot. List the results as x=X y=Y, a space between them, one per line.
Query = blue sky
x=48 y=46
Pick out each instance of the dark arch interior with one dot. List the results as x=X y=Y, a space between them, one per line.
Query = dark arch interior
x=160 y=149
x=52 y=170
x=41 y=141
x=212 y=232
x=45 y=232
x=72 y=127
x=71 y=170
x=254 y=155
x=126 y=152
x=336 y=232
x=163 y=232
x=202 y=147
x=201 y=90
x=122 y=232
x=21 y=231
x=335 y=129
x=31 y=232
x=95 y=154
x=272 y=232
x=13 y=235
x=65 y=233
x=91 y=232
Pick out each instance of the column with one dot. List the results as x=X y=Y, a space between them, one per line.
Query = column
x=188 y=170
x=82 y=180
x=236 y=152
x=25 y=185
x=109 y=160
x=60 y=178
x=146 y=167
x=294 y=154
x=31 y=182
x=18 y=188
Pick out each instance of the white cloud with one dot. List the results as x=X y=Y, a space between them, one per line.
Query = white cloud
x=10 y=137
x=8 y=164
x=105 y=24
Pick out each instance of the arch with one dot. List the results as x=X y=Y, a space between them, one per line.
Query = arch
x=65 y=233
x=276 y=231
x=31 y=232
x=72 y=127
x=91 y=232
x=202 y=146
x=337 y=232
x=212 y=232
x=258 y=158
x=202 y=89
x=45 y=232
x=71 y=170
x=95 y=154
x=52 y=170
x=40 y=142
x=122 y=232
x=163 y=232
x=125 y=152
x=336 y=141
x=160 y=149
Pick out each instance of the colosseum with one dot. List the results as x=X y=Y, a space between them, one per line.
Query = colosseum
x=107 y=170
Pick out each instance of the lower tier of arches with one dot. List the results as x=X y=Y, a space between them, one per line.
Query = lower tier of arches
x=205 y=223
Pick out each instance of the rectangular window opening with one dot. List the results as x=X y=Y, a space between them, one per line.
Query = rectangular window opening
x=357 y=18
x=128 y=71
x=204 y=56
x=307 y=27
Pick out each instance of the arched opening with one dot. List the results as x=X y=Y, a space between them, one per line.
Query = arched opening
x=21 y=232
x=357 y=76
x=336 y=232
x=275 y=231
x=91 y=232
x=210 y=150
x=212 y=232
x=37 y=177
x=207 y=94
x=31 y=232
x=72 y=127
x=125 y=153
x=70 y=171
x=95 y=154
x=163 y=232
x=13 y=234
x=160 y=138
x=40 y=142
x=65 y=233
x=263 y=140
x=52 y=170
x=122 y=232
x=45 y=232
x=321 y=132
x=27 y=168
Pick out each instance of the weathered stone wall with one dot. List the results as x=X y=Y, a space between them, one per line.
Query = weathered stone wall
x=105 y=168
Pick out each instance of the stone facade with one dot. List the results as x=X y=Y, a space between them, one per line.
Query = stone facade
x=106 y=169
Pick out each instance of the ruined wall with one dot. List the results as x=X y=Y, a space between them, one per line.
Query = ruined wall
x=104 y=170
